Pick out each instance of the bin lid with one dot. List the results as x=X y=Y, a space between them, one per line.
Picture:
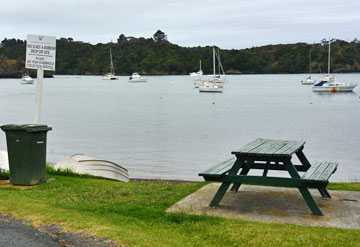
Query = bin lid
x=26 y=127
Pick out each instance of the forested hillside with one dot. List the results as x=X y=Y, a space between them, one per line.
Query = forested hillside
x=159 y=56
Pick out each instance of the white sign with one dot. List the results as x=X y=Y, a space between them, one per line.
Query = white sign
x=40 y=52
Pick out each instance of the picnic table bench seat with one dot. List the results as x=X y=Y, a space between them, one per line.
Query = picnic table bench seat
x=218 y=170
x=320 y=171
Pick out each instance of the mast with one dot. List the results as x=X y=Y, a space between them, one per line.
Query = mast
x=111 y=63
x=214 y=61
x=200 y=65
x=329 y=59
x=310 y=63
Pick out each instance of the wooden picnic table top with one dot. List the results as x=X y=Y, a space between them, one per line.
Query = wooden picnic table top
x=269 y=147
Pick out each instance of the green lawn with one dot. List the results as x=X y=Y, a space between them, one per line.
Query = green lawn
x=134 y=214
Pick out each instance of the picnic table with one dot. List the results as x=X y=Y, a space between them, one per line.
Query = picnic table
x=267 y=154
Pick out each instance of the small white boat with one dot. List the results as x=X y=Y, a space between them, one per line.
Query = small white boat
x=308 y=81
x=26 y=79
x=100 y=168
x=136 y=77
x=199 y=73
x=111 y=75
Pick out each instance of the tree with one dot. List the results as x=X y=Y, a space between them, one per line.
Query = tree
x=160 y=36
x=121 y=38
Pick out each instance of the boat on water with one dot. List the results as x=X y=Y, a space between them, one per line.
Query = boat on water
x=26 y=79
x=216 y=84
x=210 y=88
x=309 y=80
x=199 y=73
x=111 y=74
x=136 y=77
x=100 y=168
x=329 y=84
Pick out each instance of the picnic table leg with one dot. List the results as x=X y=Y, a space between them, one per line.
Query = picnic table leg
x=244 y=171
x=304 y=161
x=310 y=201
x=324 y=193
x=304 y=191
x=225 y=185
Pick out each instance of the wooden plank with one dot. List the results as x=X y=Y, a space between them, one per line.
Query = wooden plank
x=289 y=149
x=311 y=170
x=276 y=147
x=319 y=170
x=248 y=147
x=330 y=169
x=219 y=168
x=264 y=148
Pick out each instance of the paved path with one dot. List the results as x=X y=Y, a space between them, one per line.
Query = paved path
x=14 y=234
x=275 y=204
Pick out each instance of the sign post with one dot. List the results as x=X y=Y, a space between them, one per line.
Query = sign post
x=40 y=55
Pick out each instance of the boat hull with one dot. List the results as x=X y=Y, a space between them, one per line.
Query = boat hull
x=101 y=168
x=308 y=82
x=210 y=89
x=134 y=81
x=333 y=88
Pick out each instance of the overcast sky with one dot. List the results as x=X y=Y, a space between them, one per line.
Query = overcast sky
x=228 y=24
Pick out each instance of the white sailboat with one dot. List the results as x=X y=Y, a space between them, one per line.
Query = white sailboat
x=309 y=81
x=213 y=85
x=199 y=73
x=328 y=83
x=111 y=75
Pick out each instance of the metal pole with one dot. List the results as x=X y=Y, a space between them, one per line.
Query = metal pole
x=39 y=86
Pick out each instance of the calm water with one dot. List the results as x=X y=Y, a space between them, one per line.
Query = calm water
x=167 y=129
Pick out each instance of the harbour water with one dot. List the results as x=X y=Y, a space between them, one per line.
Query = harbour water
x=166 y=129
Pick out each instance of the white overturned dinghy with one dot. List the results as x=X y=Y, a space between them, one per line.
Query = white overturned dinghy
x=4 y=160
x=100 y=168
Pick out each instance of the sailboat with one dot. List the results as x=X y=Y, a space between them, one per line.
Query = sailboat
x=328 y=83
x=309 y=81
x=212 y=85
x=199 y=73
x=220 y=78
x=111 y=75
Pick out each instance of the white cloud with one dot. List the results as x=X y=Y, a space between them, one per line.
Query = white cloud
x=227 y=24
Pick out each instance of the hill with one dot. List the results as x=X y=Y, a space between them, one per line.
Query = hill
x=159 y=56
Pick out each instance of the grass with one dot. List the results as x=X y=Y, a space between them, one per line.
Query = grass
x=134 y=214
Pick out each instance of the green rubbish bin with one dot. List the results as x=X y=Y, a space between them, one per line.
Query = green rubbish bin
x=26 y=145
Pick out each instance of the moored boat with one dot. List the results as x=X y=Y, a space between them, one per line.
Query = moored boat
x=111 y=75
x=26 y=79
x=328 y=83
x=136 y=77
x=308 y=81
